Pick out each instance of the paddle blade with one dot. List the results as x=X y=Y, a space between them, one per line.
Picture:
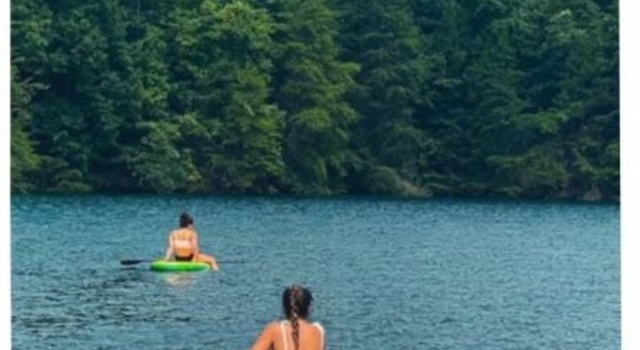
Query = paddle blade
x=231 y=262
x=133 y=261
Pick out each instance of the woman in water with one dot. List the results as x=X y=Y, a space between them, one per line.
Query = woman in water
x=296 y=332
x=183 y=244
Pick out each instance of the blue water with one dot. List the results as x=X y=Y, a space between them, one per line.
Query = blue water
x=385 y=274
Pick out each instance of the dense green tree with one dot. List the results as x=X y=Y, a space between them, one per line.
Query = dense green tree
x=31 y=20
x=582 y=51
x=221 y=75
x=309 y=85
x=411 y=97
x=23 y=157
x=394 y=80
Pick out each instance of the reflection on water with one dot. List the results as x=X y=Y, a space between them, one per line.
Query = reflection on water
x=179 y=278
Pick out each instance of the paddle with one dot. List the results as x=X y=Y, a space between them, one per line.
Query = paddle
x=138 y=261
x=133 y=261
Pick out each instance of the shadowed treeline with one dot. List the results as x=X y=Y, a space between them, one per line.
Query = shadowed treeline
x=511 y=98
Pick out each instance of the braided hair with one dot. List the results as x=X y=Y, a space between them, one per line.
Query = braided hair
x=296 y=301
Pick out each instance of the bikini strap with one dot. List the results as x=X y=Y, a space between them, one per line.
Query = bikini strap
x=321 y=329
x=284 y=335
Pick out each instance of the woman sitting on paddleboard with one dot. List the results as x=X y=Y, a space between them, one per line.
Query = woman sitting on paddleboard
x=296 y=332
x=183 y=244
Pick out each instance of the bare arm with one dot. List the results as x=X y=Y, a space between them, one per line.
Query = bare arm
x=265 y=339
x=169 y=253
x=214 y=264
x=196 y=247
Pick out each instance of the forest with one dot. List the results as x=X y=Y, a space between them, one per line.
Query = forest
x=415 y=98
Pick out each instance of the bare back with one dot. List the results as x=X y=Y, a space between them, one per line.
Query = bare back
x=279 y=335
x=184 y=241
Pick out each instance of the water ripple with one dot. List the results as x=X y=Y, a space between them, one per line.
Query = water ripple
x=386 y=274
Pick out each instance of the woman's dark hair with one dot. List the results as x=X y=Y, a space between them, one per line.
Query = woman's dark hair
x=295 y=302
x=185 y=220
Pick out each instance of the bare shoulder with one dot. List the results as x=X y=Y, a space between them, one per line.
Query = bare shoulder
x=265 y=338
x=318 y=325
x=317 y=328
x=271 y=326
x=183 y=231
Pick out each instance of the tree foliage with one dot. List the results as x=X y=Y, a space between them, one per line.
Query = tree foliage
x=511 y=98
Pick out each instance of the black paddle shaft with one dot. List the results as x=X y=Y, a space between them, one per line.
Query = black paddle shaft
x=138 y=261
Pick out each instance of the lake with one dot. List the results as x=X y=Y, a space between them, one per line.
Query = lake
x=385 y=273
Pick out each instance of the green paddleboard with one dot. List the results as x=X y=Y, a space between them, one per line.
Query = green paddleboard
x=178 y=266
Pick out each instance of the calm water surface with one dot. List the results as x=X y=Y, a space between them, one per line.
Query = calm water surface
x=386 y=274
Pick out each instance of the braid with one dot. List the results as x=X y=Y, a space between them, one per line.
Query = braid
x=295 y=331
x=295 y=303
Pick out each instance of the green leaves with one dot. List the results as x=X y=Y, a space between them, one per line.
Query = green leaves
x=416 y=98
x=310 y=86
x=159 y=163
